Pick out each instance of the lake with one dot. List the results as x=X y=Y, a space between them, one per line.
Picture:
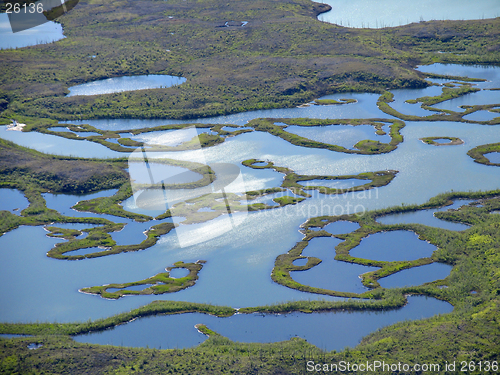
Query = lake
x=390 y=13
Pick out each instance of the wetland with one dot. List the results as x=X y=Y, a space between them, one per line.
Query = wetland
x=362 y=224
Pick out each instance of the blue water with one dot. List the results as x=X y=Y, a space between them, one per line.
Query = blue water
x=482 y=116
x=416 y=276
x=300 y=262
x=60 y=129
x=401 y=96
x=128 y=83
x=393 y=246
x=269 y=198
x=328 y=331
x=341 y=227
x=342 y=135
x=493 y=157
x=139 y=172
x=88 y=250
x=366 y=107
x=442 y=140
x=13 y=201
x=179 y=273
x=239 y=261
x=390 y=13
x=330 y=273
x=426 y=217
x=46 y=33
x=488 y=72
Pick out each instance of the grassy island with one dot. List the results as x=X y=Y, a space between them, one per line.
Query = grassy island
x=158 y=284
x=291 y=180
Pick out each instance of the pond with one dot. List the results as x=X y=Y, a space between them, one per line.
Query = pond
x=42 y=34
x=416 y=276
x=330 y=273
x=493 y=157
x=390 y=13
x=393 y=246
x=328 y=331
x=128 y=83
x=476 y=98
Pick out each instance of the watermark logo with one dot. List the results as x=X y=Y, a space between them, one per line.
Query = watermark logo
x=210 y=197
x=25 y=14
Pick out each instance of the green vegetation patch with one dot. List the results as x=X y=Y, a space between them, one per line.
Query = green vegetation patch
x=478 y=153
x=334 y=102
x=366 y=147
x=158 y=284
x=290 y=182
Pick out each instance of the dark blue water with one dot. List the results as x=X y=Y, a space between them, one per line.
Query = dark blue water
x=328 y=331
x=416 y=276
x=393 y=246
x=330 y=273
x=13 y=201
x=341 y=227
